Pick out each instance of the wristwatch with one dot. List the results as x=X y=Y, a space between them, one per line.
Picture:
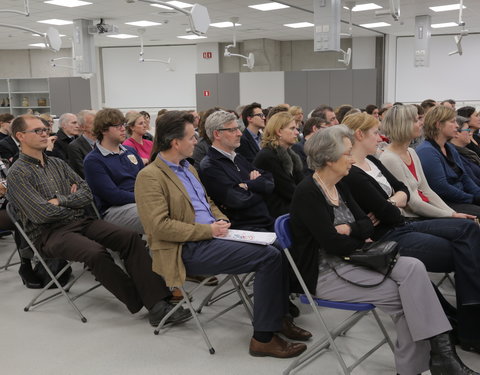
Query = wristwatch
x=392 y=202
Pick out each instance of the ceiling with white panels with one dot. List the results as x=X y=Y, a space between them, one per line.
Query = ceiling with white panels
x=254 y=24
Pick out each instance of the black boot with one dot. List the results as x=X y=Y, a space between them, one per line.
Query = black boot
x=443 y=358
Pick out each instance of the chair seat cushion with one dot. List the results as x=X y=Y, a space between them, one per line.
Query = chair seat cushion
x=339 y=305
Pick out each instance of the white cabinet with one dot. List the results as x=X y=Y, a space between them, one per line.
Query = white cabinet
x=21 y=95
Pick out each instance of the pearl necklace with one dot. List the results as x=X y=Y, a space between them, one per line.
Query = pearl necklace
x=333 y=197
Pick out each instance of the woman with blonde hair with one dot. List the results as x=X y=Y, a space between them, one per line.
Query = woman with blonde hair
x=401 y=125
x=297 y=113
x=277 y=157
x=136 y=129
x=443 y=245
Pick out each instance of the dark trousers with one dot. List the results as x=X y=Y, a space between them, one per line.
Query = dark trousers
x=446 y=245
x=86 y=241
x=271 y=279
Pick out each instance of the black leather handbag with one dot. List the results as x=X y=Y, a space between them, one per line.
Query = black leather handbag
x=379 y=256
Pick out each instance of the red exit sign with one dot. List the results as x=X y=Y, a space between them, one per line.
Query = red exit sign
x=206 y=93
x=207 y=55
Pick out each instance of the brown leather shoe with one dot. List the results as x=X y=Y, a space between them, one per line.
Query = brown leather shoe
x=292 y=332
x=277 y=348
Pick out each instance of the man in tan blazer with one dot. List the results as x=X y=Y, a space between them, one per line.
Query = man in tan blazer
x=181 y=223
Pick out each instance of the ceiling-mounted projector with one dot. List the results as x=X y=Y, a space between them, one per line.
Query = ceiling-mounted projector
x=103 y=28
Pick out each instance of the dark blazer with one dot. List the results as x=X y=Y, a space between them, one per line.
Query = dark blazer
x=270 y=159
x=8 y=149
x=248 y=146
x=372 y=198
x=299 y=150
x=312 y=227
x=76 y=152
x=61 y=145
x=246 y=209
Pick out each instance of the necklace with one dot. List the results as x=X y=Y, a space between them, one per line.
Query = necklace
x=332 y=194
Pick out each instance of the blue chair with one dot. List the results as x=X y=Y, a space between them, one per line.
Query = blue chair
x=282 y=229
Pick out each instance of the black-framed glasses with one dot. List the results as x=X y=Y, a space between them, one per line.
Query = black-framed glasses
x=118 y=125
x=231 y=130
x=465 y=130
x=38 y=131
x=261 y=115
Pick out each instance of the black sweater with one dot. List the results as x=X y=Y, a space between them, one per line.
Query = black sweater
x=312 y=227
x=372 y=198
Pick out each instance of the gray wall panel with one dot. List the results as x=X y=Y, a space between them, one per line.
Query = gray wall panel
x=318 y=89
x=341 y=87
x=79 y=94
x=59 y=95
x=206 y=82
x=228 y=90
x=295 y=89
x=364 y=87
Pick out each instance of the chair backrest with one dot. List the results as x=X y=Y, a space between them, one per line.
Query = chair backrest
x=282 y=229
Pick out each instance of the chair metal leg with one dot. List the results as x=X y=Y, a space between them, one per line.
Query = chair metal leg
x=8 y=263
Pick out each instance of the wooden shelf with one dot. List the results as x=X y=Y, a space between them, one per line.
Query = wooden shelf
x=31 y=106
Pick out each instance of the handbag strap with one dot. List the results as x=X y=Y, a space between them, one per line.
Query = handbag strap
x=389 y=271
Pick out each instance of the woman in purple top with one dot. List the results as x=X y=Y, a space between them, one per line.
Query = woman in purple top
x=136 y=129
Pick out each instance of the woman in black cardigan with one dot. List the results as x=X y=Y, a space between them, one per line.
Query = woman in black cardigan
x=443 y=245
x=277 y=157
x=327 y=223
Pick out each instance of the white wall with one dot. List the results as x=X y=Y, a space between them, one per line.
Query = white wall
x=129 y=84
x=267 y=88
x=455 y=77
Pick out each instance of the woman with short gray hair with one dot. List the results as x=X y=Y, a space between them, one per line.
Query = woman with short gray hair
x=327 y=224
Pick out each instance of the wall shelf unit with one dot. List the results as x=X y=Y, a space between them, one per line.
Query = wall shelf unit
x=21 y=95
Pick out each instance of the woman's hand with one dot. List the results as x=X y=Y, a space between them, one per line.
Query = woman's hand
x=145 y=161
x=343 y=229
x=400 y=198
x=51 y=142
x=373 y=219
x=460 y=215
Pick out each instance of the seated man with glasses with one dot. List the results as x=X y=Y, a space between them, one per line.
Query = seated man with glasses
x=470 y=159
x=111 y=170
x=254 y=121
x=50 y=198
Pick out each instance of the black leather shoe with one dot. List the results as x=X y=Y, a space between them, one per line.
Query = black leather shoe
x=443 y=358
x=29 y=279
x=162 y=308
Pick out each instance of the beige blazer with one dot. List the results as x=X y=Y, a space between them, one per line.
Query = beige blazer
x=168 y=218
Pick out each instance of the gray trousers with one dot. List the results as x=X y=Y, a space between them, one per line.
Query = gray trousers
x=406 y=295
x=125 y=216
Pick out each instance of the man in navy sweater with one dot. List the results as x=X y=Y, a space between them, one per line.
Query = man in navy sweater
x=111 y=170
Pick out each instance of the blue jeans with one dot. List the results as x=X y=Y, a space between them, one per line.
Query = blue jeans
x=445 y=245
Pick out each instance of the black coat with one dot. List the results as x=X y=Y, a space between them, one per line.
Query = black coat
x=60 y=148
x=312 y=227
x=246 y=209
x=248 y=146
x=76 y=152
x=8 y=149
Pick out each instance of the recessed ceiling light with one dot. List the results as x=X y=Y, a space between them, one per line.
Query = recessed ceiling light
x=363 y=7
x=299 y=25
x=122 y=36
x=224 y=24
x=444 y=8
x=179 y=4
x=68 y=3
x=192 y=36
x=56 y=22
x=269 y=6
x=36 y=35
x=41 y=45
x=442 y=25
x=143 y=23
x=375 y=24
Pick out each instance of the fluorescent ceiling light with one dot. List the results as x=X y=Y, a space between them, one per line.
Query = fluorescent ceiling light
x=36 y=35
x=445 y=8
x=56 y=22
x=41 y=45
x=299 y=25
x=375 y=24
x=122 y=36
x=442 y=25
x=143 y=23
x=192 y=36
x=68 y=3
x=179 y=4
x=224 y=24
x=363 y=7
x=268 y=6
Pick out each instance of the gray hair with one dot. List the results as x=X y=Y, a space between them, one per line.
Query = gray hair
x=326 y=145
x=64 y=119
x=462 y=120
x=83 y=114
x=216 y=121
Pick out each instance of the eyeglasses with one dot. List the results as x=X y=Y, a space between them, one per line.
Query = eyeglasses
x=117 y=125
x=465 y=130
x=261 y=115
x=38 y=131
x=231 y=130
